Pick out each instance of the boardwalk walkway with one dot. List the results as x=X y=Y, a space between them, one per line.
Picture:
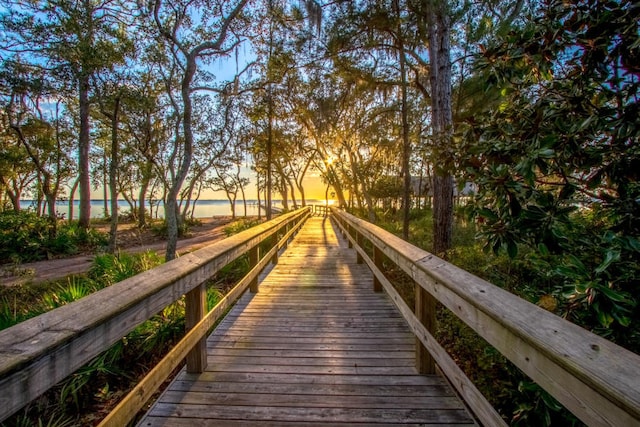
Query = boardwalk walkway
x=315 y=346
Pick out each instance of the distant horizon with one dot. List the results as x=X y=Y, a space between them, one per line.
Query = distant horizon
x=203 y=208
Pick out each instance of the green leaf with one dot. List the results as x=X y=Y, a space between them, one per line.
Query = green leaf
x=551 y=402
x=609 y=257
x=632 y=243
x=542 y=248
x=487 y=213
x=604 y=318
x=614 y=295
x=512 y=249
x=575 y=262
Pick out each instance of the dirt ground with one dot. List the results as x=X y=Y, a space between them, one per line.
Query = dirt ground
x=130 y=239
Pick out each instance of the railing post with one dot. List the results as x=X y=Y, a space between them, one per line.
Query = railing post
x=254 y=257
x=425 y=311
x=359 y=259
x=286 y=231
x=348 y=232
x=195 y=310
x=377 y=260
x=274 y=242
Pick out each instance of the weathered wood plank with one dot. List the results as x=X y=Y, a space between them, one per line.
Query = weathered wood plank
x=316 y=346
x=286 y=399
x=185 y=422
x=326 y=416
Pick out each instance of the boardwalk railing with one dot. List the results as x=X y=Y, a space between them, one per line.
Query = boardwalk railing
x=595 y=379
x=38 y=353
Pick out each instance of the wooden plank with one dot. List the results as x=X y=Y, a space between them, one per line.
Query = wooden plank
x=280 y=386
x=287 y=399
x=182 y=422
x=325 y=415
x=313 y=349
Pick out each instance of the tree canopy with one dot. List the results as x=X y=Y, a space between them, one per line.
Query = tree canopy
x=397 y=105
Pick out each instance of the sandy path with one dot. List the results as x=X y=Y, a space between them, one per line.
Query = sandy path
x=210 y=231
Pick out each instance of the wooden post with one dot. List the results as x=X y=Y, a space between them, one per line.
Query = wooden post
x=347 y=234
x=254 y=257
x=286 y=231
x=377 y=260
x=425 y=311
x=274 y=243
x=359 y=259
x=195 y=310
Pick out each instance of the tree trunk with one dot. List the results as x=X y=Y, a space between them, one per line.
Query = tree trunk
x=171 y=211
x=105 y=183
x=440 y=57
x=83 y=153
x=142 y=195
x=72 y=195
x=113 y=177
x=406 y=143
x=15 y=199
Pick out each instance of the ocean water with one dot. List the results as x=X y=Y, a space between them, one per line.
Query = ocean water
x=203 y=208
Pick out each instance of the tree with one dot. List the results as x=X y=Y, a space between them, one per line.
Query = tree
x=62 y=37
x=44 y=140
x=189 y=44
x=557 y=163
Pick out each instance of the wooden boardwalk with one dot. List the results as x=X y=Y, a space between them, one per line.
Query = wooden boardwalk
x=315 y=346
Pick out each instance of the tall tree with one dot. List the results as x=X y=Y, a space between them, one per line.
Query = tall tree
x=43 y=138
x=63 y=37
x=189 y=43
x=439 y=29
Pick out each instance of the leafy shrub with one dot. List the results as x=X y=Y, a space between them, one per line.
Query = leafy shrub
x=240 y=225
x=26 y=236
x=161 y=229
x=110 y=268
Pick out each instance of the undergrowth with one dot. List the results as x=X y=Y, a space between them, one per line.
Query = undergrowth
x=88 y=395
x=520 y=401
x=26 y=237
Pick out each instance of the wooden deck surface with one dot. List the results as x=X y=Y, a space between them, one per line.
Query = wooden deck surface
x=315 y=346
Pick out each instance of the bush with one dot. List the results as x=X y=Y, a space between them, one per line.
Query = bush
x=26 y=237
x=240 y=225
x=160 y=228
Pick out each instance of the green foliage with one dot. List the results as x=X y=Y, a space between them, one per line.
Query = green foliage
x=53 y=420
x=26 y=236
x=75 y=390
x=160 y=228
x=557 y=164
x=240 y=225
x=65 y=293
x=110 y=268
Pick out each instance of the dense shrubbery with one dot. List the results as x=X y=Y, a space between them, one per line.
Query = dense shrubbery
x=25 y=237
x=240 y=225
x=159 y=228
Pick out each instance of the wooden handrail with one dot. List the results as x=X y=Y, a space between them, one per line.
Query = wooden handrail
x=597 y=380
x=39 y=352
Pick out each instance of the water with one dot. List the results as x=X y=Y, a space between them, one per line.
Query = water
x=203 y=208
